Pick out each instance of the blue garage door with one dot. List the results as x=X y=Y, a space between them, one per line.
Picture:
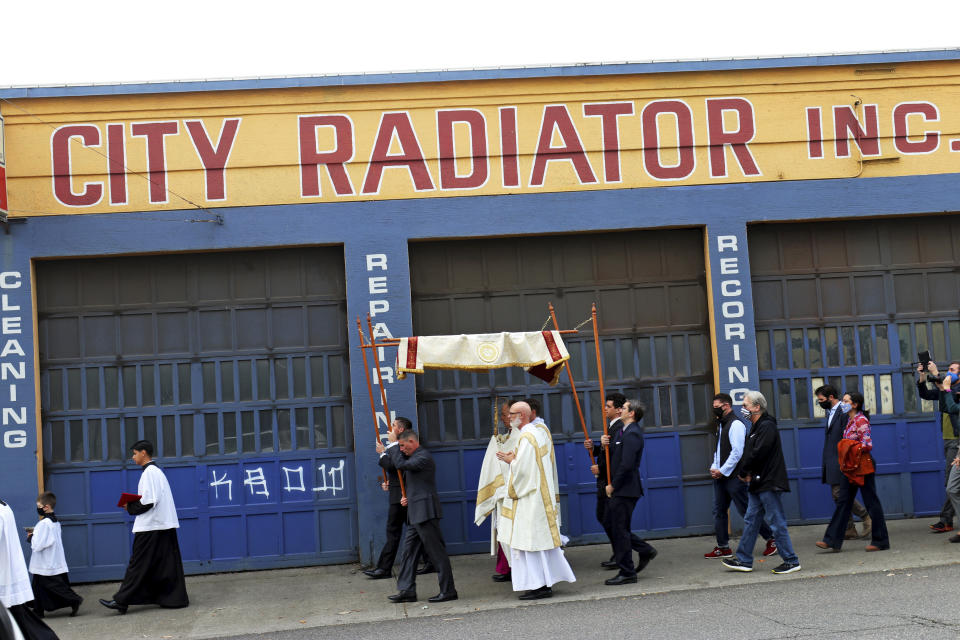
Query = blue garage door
x=650 y=290
x=850 y=304
x=235 y=366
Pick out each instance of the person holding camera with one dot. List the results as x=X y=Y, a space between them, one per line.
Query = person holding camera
x=953 y=476
x=928 y=373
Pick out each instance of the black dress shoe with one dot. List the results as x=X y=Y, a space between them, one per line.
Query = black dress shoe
x=75 y=607
x=427 y=568
x=620 y=579
x=403 y=596
x=501 y=577
x=443 y=597
x=377 y=574
x=537 y=594
x=113 y=604
x=609 y=564
x=643 y=562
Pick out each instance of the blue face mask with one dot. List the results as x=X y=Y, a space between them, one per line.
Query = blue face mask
x=845 y=407
x=745 y=412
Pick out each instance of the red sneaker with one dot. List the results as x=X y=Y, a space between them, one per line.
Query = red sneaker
x=771 y=548
x=719 y=552
x=941 y=527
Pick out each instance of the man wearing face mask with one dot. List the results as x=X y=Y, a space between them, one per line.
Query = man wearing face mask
x=764 y=468
x=727 y=487
x=829 y=401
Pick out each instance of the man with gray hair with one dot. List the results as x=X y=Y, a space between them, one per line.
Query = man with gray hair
x=763 y=467
x=530 y=523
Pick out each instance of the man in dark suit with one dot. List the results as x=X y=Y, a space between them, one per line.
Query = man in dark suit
x=396 y=516
x=423 y=517
x=829 y=401
x=613 y=404
x=623 y=492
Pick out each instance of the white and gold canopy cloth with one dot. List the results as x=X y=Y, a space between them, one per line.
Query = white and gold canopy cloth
x=541 y=353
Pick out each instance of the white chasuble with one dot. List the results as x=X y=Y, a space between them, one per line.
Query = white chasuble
x=530 y=524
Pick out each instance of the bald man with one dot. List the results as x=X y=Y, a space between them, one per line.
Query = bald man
x=530 y=524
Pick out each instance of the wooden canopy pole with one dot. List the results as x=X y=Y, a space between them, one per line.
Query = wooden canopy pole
x=366 y=373
x=383 y=397
x=603 y=416
x=573 y=386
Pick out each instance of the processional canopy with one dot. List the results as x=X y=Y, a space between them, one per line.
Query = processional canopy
x=541 y=353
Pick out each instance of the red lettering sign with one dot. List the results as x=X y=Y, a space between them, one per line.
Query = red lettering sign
x=334 y=161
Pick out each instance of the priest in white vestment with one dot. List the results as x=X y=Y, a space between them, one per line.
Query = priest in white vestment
x=492 y=489
x=530 y=524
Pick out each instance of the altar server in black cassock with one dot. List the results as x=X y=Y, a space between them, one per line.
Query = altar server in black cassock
x=15 y=590
x=48 y=563
x=155 y=572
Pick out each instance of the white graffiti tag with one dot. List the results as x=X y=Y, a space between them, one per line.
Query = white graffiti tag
x=219 y=482
x=336 y=478
x=257 y=482
x=289 y=474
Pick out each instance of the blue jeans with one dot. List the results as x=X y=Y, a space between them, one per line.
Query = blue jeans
x=765 y=506
x=725 y=491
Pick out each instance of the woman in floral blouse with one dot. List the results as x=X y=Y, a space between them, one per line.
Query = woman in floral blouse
x=858 y=429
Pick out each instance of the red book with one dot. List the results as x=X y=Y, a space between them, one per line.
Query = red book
x=127 y=498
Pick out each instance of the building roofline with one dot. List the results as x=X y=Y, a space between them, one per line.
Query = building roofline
x=496 y=73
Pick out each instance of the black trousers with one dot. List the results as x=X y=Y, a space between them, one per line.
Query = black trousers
x=619 y=513
x=396 y=517
x=603 y=505
x=841 y=514
x=427 y=539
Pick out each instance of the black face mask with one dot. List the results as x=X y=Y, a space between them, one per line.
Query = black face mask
x=825 y=405
x=718 y=411
x=41 y=511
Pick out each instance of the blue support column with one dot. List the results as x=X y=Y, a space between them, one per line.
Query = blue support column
x=731 y=310
x=20 y=446
x=378 y=282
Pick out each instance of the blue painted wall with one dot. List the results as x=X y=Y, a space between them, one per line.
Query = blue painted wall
x=375 y=228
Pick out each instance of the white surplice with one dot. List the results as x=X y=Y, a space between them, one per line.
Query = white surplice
x=154 y=489
x=47 y=557
x=14 y=580
x=530 y=523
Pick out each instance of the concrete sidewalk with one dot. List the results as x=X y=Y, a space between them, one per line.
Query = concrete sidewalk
x=264 y=601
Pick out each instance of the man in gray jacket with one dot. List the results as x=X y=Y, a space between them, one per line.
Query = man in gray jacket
x=423 y=517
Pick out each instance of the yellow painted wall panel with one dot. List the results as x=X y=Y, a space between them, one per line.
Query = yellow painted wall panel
x=632 y=149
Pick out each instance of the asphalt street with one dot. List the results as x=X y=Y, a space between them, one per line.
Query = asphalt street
x=679 y=593
x=909 y=604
